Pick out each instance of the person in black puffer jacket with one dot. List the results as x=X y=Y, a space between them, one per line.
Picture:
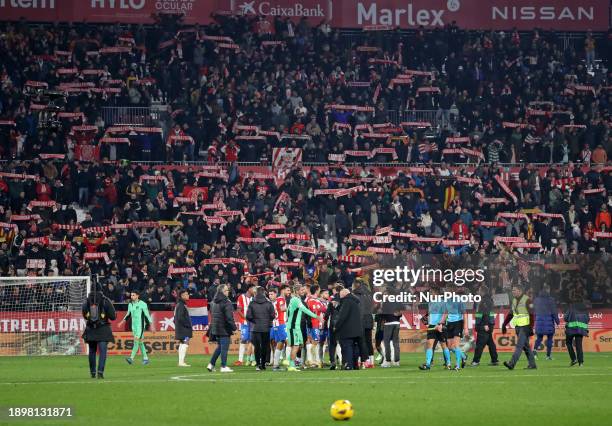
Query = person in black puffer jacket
x=183 y=330
x=576 y=328
x=222 y=328
x=260 y=314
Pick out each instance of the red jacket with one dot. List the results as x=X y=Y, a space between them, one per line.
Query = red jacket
x=460 y=231
x=43 y=191
x=92 y=246
x=110 y=193
x=231 y=153
x=603 y=217
x=245 y=231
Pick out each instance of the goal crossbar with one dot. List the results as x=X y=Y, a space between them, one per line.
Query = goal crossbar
x=15 y=280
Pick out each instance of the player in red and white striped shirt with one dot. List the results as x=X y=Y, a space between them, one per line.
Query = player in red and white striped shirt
x=314 y=331
x=245 y=330
x=278 y=333
x=324 y=299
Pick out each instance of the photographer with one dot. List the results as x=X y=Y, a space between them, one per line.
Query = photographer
x=99 y=311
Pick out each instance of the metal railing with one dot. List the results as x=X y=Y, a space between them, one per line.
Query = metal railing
x=563 y=39
x=133 y=116
x=438 y=119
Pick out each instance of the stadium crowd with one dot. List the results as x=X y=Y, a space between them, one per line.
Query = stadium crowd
x=518 y=97
x=73 y=204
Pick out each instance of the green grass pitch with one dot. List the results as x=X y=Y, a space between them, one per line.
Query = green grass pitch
x=163 y=394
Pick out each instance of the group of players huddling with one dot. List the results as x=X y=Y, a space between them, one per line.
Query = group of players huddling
x=299 y=330
x=305 y=324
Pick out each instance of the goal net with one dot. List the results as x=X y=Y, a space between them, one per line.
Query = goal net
x=42 y=315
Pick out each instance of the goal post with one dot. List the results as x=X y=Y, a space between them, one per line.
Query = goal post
x=42 y=315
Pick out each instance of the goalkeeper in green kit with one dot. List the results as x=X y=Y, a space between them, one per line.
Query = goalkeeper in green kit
x=294 y=319
x=140 y=318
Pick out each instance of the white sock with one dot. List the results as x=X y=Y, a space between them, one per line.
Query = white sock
x=241 y=351
x=317 y=357
x=382 y=350
x=288 y=353
x=277 y=356
x=392 y=356
x=371 y=359
x=339 y=353
x=182 y=351
x=308 y=356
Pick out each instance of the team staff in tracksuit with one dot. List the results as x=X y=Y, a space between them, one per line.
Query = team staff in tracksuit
x=485 y=323
x=546 y=318
x=576 y=327
x=520 y=316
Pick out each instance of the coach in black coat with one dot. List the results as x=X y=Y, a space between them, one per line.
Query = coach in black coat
x=348 y=328
x=261 y=314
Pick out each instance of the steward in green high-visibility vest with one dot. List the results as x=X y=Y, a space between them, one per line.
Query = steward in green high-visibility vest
x=576 y=327
x=520 y=317
x=485 y=324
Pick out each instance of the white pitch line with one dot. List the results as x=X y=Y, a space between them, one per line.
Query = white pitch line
x=281 y=378
x=423 y=377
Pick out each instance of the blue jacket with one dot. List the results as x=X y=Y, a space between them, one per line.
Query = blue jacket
x=576 y=320
x=420 y=207
x=545 y=314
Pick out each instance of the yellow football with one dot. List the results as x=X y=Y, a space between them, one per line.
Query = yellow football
x=341 y=410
